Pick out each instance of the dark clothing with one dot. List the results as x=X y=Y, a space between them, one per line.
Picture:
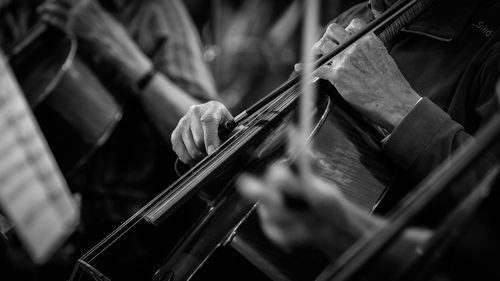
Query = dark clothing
x=450 y=55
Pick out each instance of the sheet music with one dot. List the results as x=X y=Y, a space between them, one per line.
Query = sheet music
x=33 y=193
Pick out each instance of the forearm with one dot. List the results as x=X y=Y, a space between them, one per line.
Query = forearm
x=163 y=100
x=165 y=103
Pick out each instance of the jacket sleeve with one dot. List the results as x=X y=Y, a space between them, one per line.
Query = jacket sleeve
x=427 y=136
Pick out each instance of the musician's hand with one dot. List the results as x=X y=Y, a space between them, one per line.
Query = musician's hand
x=105 y=35
x=196 y=134
x=366 y=76
x=329 y=220
x=56 y=13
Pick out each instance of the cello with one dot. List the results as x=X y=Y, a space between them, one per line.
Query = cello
x=259 y=141
x=75 y=110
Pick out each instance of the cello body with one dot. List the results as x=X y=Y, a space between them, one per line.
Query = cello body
x=74 y=109
x=223 y=225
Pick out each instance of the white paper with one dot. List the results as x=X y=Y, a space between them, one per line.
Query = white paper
x=33 y=193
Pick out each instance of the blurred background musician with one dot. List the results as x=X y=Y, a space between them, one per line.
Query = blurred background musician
x=152 y=40
x=151 y=53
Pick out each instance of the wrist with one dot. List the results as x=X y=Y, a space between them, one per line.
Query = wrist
x=398 y=113
x=143 y=82
x=137 y=67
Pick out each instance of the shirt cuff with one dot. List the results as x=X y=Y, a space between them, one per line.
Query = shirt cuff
x=415 y=132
